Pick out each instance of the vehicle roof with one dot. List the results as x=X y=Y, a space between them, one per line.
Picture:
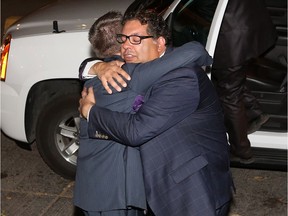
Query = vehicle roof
x=71 y=15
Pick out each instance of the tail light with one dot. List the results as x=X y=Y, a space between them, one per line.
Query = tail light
x=4 y=56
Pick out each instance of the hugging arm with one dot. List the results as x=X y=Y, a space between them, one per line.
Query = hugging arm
x=172 y=99
x=190 y=53
x=107 y=72
x=83 y=66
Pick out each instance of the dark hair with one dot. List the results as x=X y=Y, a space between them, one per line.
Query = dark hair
x=102 y=34
x=156 y=24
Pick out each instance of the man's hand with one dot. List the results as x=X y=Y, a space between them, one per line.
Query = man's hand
x=86 y=102
x=110 y=72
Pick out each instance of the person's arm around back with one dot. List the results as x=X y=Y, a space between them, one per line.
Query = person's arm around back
x=146 y=74
x=172 y=99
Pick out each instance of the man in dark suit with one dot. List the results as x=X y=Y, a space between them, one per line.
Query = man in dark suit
x=102 y=172
x=109 y=177
x=179 y=129
x=246 y=32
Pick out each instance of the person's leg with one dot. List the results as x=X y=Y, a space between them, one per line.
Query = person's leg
x=135 y=212
x=123 y=212
x=229 y=84
x=91 y=213
x=131 y=212
x=149 y=211
x=223 y=210
x=253 y=109
x=255 y=116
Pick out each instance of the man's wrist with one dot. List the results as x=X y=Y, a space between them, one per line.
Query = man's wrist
x=89 y=71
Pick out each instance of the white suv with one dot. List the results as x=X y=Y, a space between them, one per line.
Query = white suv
x=41 y=54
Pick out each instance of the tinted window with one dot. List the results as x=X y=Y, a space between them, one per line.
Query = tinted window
x=191 y=21
x=159 y=6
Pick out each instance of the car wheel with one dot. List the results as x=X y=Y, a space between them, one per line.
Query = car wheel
x=57 y=134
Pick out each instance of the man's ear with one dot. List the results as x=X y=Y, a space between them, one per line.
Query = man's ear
x=161 y=44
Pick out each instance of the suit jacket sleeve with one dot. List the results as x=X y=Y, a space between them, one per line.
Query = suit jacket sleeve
x=171 y=99
x=147 y=73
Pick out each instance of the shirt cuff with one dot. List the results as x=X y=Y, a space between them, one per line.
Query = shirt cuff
x=88 y=114
x=90 y=64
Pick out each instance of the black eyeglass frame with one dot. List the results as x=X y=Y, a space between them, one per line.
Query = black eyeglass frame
x=119 y=38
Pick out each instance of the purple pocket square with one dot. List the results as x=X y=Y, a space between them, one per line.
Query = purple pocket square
x=139 y=100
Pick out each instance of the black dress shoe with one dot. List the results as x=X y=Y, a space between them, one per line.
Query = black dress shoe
x=256 y=124
x=243 y=158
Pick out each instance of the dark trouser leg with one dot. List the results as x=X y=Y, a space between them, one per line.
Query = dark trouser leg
x=230 y=86
x=149 y=212
x=224 y=210
x=130 y=212
x=253 y=108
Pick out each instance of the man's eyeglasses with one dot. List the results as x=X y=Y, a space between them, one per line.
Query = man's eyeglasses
x=134 y=39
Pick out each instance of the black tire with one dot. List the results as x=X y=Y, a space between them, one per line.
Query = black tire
x=57 y=134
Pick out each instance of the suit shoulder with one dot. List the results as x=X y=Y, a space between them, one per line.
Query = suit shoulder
x=190 y=71
x=93 y=82
x=130 y=68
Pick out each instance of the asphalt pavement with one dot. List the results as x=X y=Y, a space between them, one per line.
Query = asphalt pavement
x=30 y=188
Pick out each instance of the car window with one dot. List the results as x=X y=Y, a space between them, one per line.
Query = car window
x=160 y=6
x=191 y=21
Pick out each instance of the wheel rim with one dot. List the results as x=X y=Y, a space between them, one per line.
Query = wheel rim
x=67 y=139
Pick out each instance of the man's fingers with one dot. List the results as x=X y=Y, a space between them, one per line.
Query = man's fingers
x=124 y=74
x=106 y=86
x=84 y=92
x=108 y=81
x=85 y=103
x=118 y=63
x=112 y=75
x=115 y=85
x=90 y=90
x=80 y=106
x=90 y=97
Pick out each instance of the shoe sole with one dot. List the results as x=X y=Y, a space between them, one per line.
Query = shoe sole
x=242 y=160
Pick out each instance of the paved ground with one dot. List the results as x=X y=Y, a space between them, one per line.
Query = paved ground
x=30 y=188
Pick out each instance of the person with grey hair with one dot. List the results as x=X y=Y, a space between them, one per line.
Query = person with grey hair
x=102 y=35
